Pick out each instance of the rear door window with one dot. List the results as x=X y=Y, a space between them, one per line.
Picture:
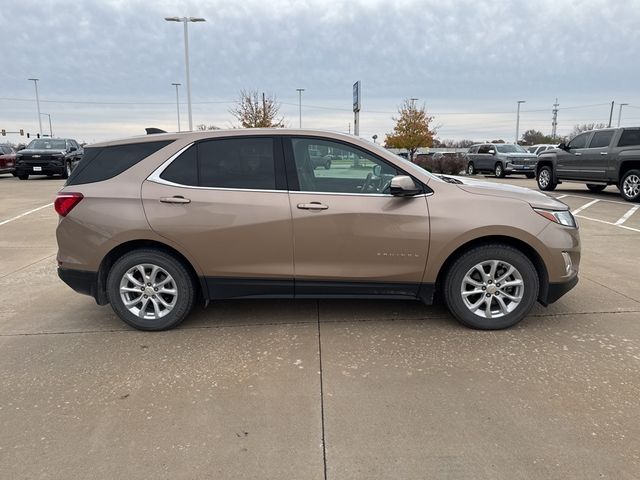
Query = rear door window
x=601 y=139
x=244 y=163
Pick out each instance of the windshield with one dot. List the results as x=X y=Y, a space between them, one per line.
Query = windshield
x=46 y=144
x=508 y=148
x=403 y=161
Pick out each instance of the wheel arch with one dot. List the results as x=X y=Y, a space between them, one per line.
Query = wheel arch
x=516 y=243
x=129 y=246
x=626 y=165
x=547 y=161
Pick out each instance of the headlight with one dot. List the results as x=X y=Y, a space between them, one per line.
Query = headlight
x=563 y=217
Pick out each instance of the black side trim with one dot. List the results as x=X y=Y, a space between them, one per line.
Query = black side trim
x=557 y=290
x=81 y=281
x=220 y=288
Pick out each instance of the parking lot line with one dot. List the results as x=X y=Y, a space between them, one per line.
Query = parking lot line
x=586 y=205
x=591 y=198
x=608 y=223
x=25 y=214
x=626 y=216
x=561 y=196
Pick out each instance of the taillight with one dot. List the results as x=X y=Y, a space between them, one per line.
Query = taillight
x=66 y=201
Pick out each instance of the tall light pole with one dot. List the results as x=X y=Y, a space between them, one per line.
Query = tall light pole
x=518 y=119
x=50 y=129
x=185 y=21
x=35 y=82
x=300 y=90
x=620 y=112
x=177 y=103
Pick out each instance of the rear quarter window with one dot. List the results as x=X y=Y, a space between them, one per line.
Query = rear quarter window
x=102 y=163
x=630 y=137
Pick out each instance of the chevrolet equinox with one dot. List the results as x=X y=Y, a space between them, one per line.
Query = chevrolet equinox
x=154 y=224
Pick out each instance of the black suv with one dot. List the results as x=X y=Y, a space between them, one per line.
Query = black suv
x=48 y=156
x=598 y=158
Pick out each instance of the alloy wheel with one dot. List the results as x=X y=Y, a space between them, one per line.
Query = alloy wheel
x=148 y=291
x=544 y=178
x=492 y=289
x=631 y=186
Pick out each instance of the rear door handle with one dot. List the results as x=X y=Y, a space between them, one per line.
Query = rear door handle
x=312 y=206
x=577 y=154
x=603 y=153
x=175 y=199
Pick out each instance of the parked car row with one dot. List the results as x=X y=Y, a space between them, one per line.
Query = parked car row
x=43 y=156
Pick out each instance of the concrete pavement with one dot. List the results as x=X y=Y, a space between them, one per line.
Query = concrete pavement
x=312 y=390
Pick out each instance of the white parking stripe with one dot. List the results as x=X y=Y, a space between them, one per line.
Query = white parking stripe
x=626 y=216
x=609 y=223
x=4 y=222
x=561 y=196
x=586 y=205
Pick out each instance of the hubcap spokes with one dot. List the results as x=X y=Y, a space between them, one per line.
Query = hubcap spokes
x=631 y=186
x=492 y=289
x=148 y=291
x=544 y=178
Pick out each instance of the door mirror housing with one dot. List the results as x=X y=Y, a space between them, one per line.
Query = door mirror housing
x=403 y=186
x=563 y=146
x=73 y=149
x=492 y=151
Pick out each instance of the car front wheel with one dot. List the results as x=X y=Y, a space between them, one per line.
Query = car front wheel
x=630 y=186
x=23 y=177
x=491 y=287
x=499 y=170
x=150 y=290
x=545 y=179
x=471 y=169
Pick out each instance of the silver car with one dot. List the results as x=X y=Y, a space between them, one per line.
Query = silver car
x=501 y=159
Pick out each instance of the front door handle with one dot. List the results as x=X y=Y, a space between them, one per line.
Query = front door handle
x=312 y=206
x=577 y=154
x=603 y=153
x=175 y=199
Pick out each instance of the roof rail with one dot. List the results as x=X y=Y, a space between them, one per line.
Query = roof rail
x=152 y=130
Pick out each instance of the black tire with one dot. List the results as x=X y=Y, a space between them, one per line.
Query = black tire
x=24 y=177
x=184 y=286
x=531 y=175
x=471 y=169
x=546 y=181
x=498 y=170
x=630 y=186
x=327 y=165
x=595 y=187
x=453 y=282
x=67 y=170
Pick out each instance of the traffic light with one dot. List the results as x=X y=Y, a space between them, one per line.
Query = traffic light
x=21 y=132
x=4 y=132
x=38 y=135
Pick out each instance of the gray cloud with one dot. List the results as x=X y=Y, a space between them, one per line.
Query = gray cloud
x=459 y=56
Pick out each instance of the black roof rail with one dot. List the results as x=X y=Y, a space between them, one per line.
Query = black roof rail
x=152 y=130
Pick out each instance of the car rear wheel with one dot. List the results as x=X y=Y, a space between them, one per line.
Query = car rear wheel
x=150 y=290
x=491 y=287
x=630 y=186
x=545 y=179
x=499 y=170
x=327 y=165
x=23 y=177
x=471 y=169
x=595 y=187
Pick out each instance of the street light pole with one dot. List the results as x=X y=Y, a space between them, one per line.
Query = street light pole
x=300 y=90
x=177 y=103
x=35 y=82
x=620 y=112
x=185 y=21
x=518 y=120
x=50 y=129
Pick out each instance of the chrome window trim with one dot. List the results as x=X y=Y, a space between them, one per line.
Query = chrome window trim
x=155 y=178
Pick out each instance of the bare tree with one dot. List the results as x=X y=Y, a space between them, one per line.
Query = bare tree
x=203 y=127
x=255 y=112
x=585 y=127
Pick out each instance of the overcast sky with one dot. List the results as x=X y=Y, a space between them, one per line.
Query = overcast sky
x=106 y=67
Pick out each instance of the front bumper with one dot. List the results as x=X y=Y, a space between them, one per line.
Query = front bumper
x=555 y=291
x=48 y=169
x=514 y=168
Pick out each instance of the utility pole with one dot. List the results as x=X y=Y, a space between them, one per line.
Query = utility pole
x=177 y=103
x=356 y=108
x=185 y=21
x=50 y=129
x=611 y=112
x=518 y=119
x=35 y=82
x=554 y=122
x=300 y=90
x=620 y=112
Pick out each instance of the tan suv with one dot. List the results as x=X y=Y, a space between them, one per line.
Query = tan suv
x=153 y=224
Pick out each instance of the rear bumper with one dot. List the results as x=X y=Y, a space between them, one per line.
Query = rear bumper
x=81 y=281
x=555 y=291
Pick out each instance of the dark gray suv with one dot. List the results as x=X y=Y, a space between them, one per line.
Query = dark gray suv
x=501 y=159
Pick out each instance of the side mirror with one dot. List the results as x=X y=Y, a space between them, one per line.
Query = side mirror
x=403 y=186
x=563 y=146
x=73 y=149
x=492 y=151
x=377 y=170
